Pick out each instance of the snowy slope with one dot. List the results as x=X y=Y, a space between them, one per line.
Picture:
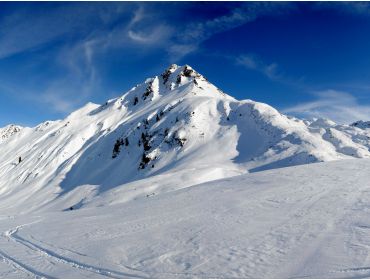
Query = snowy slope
x=175 y=124
x=307 y=221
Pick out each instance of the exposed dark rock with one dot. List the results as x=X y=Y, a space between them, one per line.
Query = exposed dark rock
x=148 y=91
x=136 y=100
x=144 y=161
x=178 y=80
x=188 y=72
x=166 y=74
x=117 y=147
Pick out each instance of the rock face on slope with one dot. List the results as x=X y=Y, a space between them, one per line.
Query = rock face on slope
x=361 y=124
x=9 y=131
x=174 y=122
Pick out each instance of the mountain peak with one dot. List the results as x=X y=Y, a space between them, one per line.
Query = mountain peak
x=171 y=80
x=175 y=76
x=172 y=67
x=174 y=73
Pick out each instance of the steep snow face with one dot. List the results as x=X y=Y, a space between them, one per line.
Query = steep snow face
x=175 y=124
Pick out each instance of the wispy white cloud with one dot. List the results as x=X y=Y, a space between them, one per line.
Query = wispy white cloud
x=138 y=15
x=75 y=58
x=339 y=106
x=196 y=33
x=352 y=7
x=247 y=12
x=78 y=81
x=19 y=35
x=57 y=102
x=56 y=98
x=253 y=62
x=142 y=25
x=158 y=35
x=81 y=79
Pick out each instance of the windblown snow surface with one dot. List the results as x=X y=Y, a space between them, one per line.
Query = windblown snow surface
x=176 y=179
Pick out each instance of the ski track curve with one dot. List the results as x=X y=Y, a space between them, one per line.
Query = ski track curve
x=12 y=235
x=23 y=268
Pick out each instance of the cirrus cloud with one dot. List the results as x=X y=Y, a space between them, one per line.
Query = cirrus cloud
x=339 y=106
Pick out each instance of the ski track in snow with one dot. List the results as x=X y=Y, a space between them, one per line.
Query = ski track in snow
x=24 y=269
x=17 y=265
x=12 y=235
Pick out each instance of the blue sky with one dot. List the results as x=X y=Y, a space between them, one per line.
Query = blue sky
x=304 y=58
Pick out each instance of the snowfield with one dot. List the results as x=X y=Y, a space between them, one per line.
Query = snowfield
x=176 y=179
x=303 y=221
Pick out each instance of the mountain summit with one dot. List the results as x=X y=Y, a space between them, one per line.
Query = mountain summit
x=176 y=124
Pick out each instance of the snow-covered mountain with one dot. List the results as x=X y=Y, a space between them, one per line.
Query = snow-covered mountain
x=175 y=125
x=140 y=174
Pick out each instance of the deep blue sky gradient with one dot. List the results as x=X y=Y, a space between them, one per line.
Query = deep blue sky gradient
x=305 y=59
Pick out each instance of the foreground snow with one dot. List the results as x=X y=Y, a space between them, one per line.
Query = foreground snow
x=303 y=221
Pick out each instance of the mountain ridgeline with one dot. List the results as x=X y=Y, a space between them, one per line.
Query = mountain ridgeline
x=175 y=123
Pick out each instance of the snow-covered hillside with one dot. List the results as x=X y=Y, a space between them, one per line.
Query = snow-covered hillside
x=307 y=221
x=176 y=124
